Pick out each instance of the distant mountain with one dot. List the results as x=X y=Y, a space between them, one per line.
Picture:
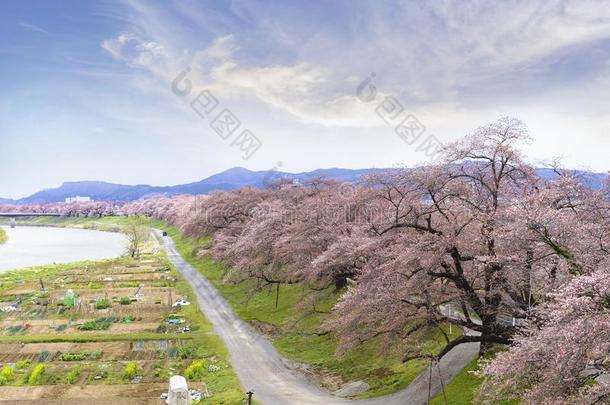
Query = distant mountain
x=591 y=179
x=228 y=180
x=97 y=190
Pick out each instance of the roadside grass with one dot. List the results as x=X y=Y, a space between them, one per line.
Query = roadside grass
x=462 y=389
x=465 y=385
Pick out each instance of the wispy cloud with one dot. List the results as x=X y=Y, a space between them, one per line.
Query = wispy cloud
x=32 y=28
x=431 y=55
x=300 y=89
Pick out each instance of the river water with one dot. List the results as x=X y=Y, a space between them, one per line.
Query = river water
x=35 y=246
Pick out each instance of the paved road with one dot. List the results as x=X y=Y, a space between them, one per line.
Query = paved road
x=260 y=367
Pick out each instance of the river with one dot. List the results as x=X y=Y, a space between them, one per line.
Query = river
x=35 y=246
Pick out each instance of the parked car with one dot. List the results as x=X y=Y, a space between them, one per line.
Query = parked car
x=180 y=303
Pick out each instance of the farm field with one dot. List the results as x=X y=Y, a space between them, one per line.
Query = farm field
x=108 y=332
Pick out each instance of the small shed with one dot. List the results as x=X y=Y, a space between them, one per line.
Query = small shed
x=178 y=393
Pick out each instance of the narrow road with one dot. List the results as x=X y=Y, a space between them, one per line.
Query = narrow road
x=260 y=367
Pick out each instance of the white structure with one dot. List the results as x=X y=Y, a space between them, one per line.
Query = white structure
x=78 y=199
x=178 y=393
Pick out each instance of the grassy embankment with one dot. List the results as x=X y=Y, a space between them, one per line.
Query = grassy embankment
x=293 y=329
x=461 y=390
x=205 y=345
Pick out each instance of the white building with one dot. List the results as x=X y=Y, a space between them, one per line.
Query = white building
x=78 y=199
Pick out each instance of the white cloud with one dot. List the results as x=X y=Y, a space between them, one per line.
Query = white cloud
x=454 y=64
x=302 y=90
x=507 y=34
x=460 y=49
x=130 y=48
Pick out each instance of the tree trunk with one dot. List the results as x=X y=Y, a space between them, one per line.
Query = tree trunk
x=277 y=295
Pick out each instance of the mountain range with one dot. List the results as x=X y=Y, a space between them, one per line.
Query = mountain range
x=228 y=180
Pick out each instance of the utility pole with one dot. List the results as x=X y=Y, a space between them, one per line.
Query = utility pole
x=250 y=393
x=529 y=296
x=440 y=378
x=450 y=316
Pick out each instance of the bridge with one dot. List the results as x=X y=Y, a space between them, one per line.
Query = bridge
x=14 y=215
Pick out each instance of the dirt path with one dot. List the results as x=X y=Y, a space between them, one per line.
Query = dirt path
x=133 y=394
x=261 y=368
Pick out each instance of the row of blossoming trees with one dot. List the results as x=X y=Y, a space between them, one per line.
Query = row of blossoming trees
x=478 y=232
x=73 y=209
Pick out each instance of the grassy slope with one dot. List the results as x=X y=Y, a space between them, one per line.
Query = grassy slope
x=461 y=390
x=3 y=237
x=293 y=334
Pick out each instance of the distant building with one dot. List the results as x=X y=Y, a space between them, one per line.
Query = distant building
x=78 y=199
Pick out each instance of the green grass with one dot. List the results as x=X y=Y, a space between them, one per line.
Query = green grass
x=3 y=237
x=462 y=389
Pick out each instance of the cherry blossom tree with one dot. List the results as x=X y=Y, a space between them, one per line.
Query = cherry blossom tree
x=562 y=355
x=449 y=225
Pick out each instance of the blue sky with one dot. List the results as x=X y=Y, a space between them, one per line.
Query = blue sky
x=87 y=85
